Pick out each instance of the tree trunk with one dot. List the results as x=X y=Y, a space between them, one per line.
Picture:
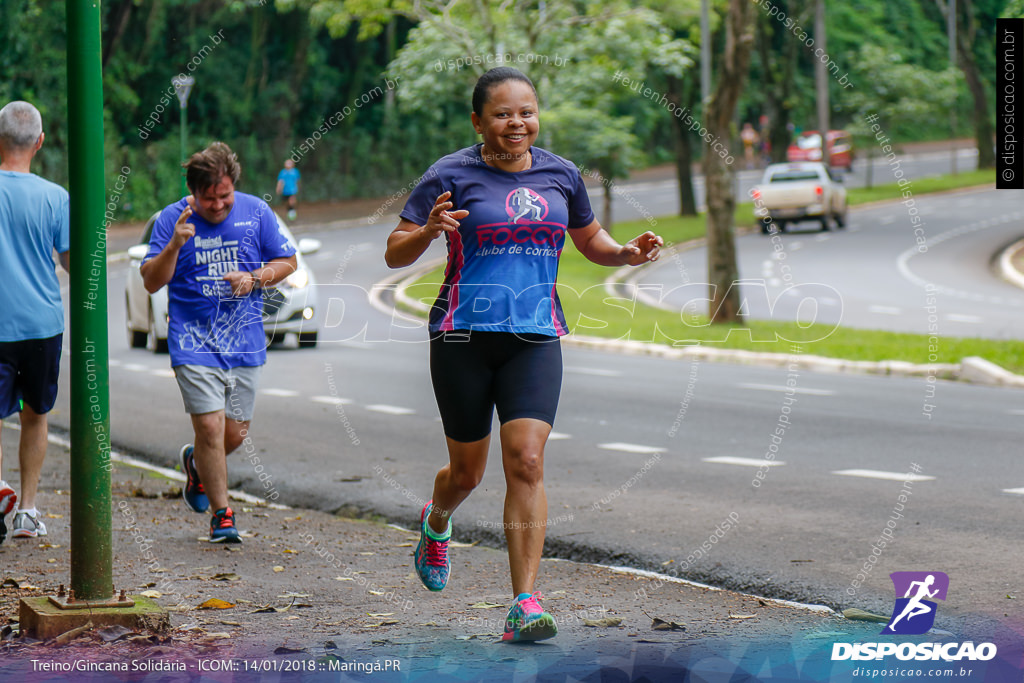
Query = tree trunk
x=606 y=218
x=983 y=129
x=778 y=52
x=118 y=23
x=684 y=148
x=735 y=60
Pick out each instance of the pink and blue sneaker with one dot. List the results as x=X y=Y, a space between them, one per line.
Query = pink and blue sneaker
x=527 y=620
x=431 y=555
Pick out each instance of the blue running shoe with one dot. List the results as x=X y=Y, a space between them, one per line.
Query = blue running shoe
x=222 y=527
x=192 y=491
x=527 y=621
x=431 y=556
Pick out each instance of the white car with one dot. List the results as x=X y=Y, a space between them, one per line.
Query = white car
x=288 y=306
x=799 y=191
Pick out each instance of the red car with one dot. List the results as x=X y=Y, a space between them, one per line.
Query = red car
x=807 y=147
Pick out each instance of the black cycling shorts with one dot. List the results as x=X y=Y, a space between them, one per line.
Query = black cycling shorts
x=28 y=372
x=474 y=373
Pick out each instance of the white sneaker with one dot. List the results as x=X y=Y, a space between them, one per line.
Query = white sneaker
x=27 y=525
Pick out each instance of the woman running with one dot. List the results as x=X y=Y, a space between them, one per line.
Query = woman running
x=504 y=208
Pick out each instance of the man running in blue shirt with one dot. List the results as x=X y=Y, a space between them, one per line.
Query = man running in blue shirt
x=33 y=224
x=288 y=186
x=215 y=250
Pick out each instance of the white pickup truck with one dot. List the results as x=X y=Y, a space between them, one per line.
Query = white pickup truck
x=800 y=191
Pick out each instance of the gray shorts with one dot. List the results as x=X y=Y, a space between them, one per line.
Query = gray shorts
x=206 y=390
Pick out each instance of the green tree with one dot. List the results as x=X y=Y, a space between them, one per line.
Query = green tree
x=897 y=95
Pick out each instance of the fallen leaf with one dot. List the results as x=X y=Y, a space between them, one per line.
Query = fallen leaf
x=219 y=635
x=375 y=592
x=114 y=632
x=289 y=550
x=53 y=516
x=386 y=622
x=854 y=614
x=366 y=553
x=662 y=625
x=404 y=545
x=10 y=583
x=607 y=622
x=226 y=576
x=52 y=560
x=68 y=636
x=284 y=650
x=278 y=568
x=151 y=639
x=343 y=578
x=215 y=603
x=293 y=595
x=151 y=594
x=801 y=560
x=230 y=623
x=456 y=544
x=742 y=616
x=485 y=605
x=379 y=615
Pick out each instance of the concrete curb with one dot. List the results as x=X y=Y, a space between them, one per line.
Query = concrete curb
x=1006 y=267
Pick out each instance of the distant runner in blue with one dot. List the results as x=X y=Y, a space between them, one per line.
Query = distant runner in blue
x=288 y=186
x=215 y=250
x=504 y=207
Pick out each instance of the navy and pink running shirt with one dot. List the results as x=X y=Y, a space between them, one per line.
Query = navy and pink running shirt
x=503 y=259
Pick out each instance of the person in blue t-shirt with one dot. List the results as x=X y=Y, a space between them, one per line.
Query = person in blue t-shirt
x=288 y=186
x=33 y=224
x=215 y=250
x=504 y=207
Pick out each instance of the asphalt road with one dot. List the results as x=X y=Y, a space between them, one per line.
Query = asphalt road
x=635 y=473
x=881 y=272
x=636 y=200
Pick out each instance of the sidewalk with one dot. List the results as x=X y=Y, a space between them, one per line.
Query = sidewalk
x=307 y=585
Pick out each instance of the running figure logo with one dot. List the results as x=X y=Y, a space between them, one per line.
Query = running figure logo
x=914 y=613
x=523 y=202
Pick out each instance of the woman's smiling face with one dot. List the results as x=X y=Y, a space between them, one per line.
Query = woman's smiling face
x=509 y=123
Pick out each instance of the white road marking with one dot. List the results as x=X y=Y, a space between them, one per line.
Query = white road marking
x=558 y=436
x=1019 y=492
x=353 y=345
x=959 y=318
x=630 y=448
x=331 y=400
x=135 y=367
x=113 y=362
x=596 y=372
x=745 y=462
x=885 y=310
x=162 y=373
x=283 y=393
x=890 y=476
x=788 y=390
x=390 y=410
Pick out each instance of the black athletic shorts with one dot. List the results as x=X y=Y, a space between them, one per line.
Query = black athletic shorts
x=474 y=373
x=28 y=372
